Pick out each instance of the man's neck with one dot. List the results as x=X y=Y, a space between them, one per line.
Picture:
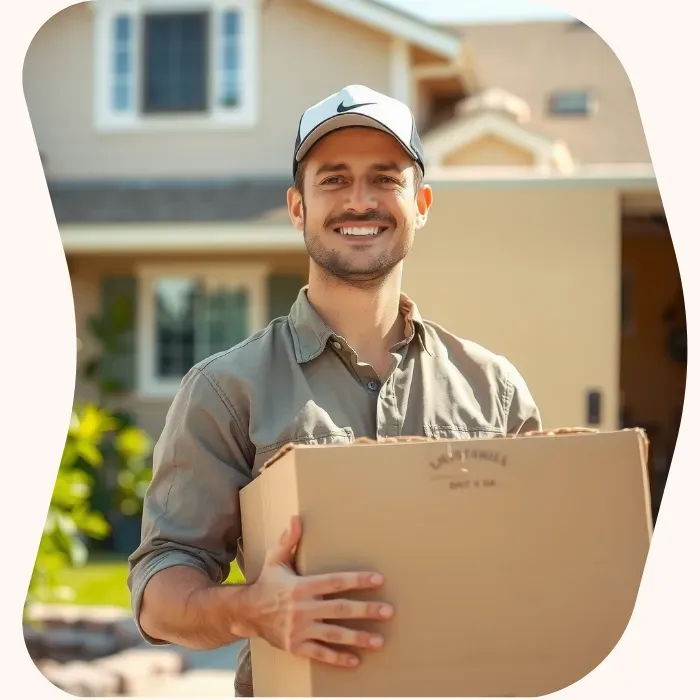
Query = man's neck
x=368 y=318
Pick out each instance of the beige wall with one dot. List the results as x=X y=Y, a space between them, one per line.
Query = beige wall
x=532 y=59
x=489 y=150
x=85 y=273
x=532 y=275
x=306 y=54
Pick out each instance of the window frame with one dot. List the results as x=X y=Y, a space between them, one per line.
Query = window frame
x=251 y=277
x=217 y=115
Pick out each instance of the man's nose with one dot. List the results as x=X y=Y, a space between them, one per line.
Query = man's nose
x=360 y=197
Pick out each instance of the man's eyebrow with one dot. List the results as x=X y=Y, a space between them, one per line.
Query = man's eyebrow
x=384 y=167
x=389 y=166
x=332 y=168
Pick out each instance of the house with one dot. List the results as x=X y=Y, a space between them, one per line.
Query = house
x=166 y=129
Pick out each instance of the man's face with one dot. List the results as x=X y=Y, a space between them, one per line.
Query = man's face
x=359 y=209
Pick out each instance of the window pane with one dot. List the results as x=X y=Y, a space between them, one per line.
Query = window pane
x=175 y=57
x=175 y=326
x=122 y=28
x=570 y=102
x=230 y=60
x=122 y=68
x=121 y=96
x=221 y=322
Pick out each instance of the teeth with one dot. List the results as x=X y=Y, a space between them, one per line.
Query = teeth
x=360 y=231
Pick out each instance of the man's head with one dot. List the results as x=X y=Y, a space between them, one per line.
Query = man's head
x=359 y=195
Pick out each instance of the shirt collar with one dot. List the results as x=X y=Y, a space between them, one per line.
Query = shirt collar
x=311 y=334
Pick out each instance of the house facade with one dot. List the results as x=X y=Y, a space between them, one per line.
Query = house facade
x=166 y=129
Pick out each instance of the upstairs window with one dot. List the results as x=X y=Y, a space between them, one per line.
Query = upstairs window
x=571 y=103
x=176 y=63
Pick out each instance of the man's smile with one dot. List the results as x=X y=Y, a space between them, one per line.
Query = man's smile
x=361 y=231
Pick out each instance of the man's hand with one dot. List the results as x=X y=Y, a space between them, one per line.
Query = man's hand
x=290 y=612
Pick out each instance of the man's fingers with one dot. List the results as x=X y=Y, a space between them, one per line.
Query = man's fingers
x=286 y=547
x=350 y=610
x=319 y=652
x=342 y=636
x=328 y=584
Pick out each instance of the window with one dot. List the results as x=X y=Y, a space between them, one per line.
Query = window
x=165 y=63
x=571 y=102
x=188 y=314
x=175 y=63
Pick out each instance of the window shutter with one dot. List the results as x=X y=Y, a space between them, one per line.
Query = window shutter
x=118 y=326
x=283 y=290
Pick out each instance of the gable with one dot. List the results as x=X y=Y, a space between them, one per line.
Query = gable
x=493 y=139
x=489 y=149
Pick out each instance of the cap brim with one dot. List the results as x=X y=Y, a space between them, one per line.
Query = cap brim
x=341 y=121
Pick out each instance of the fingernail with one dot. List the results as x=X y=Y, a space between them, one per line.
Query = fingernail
x=376 y=642
x=376 y=580
x=353 y=661
x=385 y=611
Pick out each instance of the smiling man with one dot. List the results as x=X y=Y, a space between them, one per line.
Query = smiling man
x=352 y=359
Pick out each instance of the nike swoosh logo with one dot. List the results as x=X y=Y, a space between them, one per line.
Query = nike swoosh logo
x=342 y=108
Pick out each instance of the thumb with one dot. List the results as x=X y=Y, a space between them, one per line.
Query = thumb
x=286 y=547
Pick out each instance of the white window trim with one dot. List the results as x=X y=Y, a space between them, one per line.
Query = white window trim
x=218 y=117
x=249 y=276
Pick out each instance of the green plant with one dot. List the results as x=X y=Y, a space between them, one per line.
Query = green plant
x=70 y=518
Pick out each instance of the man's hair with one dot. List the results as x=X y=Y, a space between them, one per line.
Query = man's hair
x=301 y=169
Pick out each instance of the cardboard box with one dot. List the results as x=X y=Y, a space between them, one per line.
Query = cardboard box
x=513 y=564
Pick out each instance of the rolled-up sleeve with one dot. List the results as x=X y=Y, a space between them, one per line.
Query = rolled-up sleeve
x=522 y=413
x=191 y=513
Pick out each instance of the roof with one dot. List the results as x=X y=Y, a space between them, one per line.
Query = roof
x=535 y=59
x=254 y=201
x=388 y=18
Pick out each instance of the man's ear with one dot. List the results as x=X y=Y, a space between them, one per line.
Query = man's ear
x=424 y=200
x=295 y=206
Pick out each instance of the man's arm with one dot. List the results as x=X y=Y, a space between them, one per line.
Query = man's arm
x=190 y=532
x=191 y=521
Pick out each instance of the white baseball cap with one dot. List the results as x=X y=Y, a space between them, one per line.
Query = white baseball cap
x=357 y=105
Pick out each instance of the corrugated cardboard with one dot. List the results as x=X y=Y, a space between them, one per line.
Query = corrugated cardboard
x=513 y=565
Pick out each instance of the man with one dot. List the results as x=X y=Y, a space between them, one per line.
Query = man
x=353 y=359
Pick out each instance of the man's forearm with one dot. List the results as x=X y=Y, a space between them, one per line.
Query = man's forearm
x=182 y=606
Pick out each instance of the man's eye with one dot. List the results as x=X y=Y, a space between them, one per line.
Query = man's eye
x=386 y=179
x=332 y=181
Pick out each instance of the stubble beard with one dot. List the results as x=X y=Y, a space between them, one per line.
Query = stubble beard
x=339 y=268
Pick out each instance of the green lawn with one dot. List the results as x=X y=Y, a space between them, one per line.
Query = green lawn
x=103 y=582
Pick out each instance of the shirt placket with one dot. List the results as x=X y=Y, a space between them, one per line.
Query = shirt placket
x=388 y=419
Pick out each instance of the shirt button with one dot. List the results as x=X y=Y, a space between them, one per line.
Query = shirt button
x=336 y=345
x=372 y=385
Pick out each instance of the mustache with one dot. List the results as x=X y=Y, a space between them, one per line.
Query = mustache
x=373 y=217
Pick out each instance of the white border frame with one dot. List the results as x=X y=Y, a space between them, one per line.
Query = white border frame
x=216 y=117
x=250 y=276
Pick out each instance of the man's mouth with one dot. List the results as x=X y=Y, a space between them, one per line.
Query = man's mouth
x=360 y=230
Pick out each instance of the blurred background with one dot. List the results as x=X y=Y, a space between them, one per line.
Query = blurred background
x=166 y=129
